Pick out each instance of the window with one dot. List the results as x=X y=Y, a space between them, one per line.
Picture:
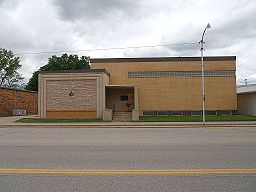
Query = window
x=124 y=97
x=234 y=112
x=177 y=113
x=162 y=113
x=210 y=112
x=158 y=74
x=196 y=113
x=149 y=113
x=225 y=112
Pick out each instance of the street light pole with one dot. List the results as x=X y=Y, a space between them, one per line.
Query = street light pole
x=202 y=64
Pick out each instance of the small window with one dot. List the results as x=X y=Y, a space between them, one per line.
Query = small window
x=162 y=113
x=177 y=113
x=124 y=97
x=234 y=112
x=210 y=112
x=150 y=113
x=196 y=113
x=226 y=112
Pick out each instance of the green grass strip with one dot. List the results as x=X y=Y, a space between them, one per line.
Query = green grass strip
x=197 y=118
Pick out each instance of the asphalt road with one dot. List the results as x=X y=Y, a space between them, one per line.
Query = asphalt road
x=25 y=152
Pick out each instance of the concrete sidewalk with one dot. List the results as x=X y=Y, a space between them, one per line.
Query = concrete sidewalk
x=12 y=119
x=6 y=122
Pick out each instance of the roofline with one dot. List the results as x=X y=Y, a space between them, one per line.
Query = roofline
x=248 y=92
x=16 y=89
x=77 y=71
x=242 y=89
x=248 y=85
x=161 y=59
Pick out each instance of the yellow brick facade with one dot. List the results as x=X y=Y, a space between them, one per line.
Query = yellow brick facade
x=176 y=93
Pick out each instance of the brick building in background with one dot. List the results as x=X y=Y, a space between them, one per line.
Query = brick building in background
x=11 y=99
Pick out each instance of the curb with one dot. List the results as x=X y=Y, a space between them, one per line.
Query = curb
x=74 y=125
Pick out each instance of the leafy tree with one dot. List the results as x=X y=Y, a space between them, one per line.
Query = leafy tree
x=64 y=62
x=9 y=65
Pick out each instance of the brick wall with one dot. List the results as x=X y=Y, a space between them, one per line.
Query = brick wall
x=86 y=101
x=17 y=99
x=176 y=93
x=83 y=96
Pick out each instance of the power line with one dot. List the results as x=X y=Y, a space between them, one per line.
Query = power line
x=104 y=49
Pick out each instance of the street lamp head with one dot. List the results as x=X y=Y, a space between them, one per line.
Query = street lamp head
x=207 y=27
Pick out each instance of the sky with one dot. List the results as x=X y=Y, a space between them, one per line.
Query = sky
x=31 y=26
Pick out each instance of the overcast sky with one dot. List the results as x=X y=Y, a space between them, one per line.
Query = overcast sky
x=60 y=25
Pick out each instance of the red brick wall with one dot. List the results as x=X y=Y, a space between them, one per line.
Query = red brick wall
x=17 y=99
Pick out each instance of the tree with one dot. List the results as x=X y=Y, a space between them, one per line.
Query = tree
x=64 y=62
x=9 y=65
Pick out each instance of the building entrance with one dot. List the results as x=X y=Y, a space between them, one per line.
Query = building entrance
x=120 y=99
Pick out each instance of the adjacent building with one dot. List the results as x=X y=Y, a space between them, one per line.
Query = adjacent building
x=17 y=102
x=246 y=99
x=140 y=86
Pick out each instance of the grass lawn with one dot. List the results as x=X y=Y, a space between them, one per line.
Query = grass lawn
x=49 y=120
x=197 y=118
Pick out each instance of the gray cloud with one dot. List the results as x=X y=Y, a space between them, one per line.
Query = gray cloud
x=238 y=26
x=54 y=25
x=148 y=52
x=233 y=32
x=9 y=4
x=96 y=9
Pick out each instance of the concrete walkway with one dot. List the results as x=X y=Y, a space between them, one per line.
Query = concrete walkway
x=12 y=119
x=6 y=122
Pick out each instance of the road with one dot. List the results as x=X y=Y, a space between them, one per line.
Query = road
x=128 y=159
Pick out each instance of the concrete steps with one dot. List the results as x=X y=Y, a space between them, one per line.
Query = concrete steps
x=122 y=116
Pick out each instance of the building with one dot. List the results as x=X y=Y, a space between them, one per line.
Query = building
x=246 y=99
x=141 y=86
x=19 y=100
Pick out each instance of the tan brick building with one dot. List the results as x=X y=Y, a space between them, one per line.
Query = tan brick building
x=141 y=86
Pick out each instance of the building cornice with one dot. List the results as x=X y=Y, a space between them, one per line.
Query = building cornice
x=161 y=59
x=77 y=71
